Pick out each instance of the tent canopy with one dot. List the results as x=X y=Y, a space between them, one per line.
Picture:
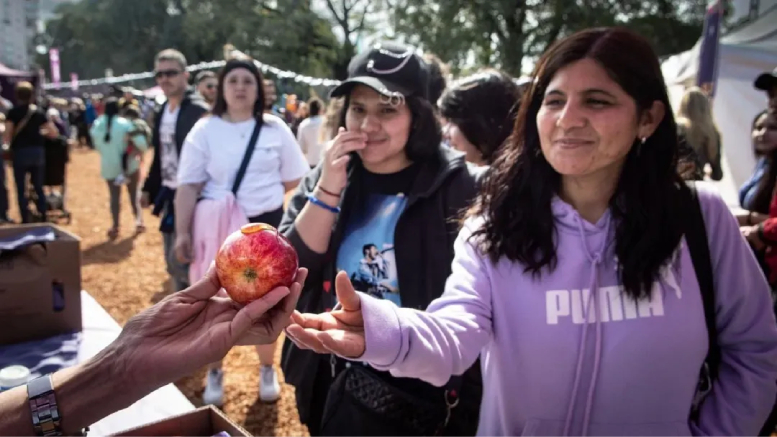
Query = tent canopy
x=743 y=54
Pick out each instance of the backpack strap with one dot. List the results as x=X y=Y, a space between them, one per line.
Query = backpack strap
x=247 y=156
x=698 y=245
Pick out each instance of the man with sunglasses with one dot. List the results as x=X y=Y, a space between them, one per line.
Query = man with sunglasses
x=172 y=123
x=206 y=84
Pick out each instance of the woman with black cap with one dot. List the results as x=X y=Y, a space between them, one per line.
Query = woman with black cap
x=381 y=206
x=235 y=167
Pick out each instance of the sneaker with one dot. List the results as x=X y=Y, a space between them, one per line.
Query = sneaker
x=269 y=389
x=119 y=181
x=214 y=388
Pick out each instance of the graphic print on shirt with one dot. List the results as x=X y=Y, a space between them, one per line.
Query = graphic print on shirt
x=367 y=251
x=614 y=304
x=169 y=157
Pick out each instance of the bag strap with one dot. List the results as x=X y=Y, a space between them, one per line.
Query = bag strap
x=247 y=156
x=698 y=245
x=23 y=123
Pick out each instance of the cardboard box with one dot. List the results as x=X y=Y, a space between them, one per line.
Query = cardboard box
x=205 y=421
x=40 y=282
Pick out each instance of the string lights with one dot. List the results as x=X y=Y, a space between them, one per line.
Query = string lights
x=281 y=74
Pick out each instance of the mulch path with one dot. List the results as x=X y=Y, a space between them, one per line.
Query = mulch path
x=127 y=275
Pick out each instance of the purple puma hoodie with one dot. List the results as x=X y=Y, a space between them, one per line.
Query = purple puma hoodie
x=631 y=370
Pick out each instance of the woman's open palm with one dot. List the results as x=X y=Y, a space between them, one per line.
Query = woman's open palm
x=340 y=331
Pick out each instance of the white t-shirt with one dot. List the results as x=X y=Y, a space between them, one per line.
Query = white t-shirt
x=214 y=149
x=169 y=156
x=309 y=139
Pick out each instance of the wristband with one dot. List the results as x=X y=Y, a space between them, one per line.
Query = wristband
x=325 y=191
x=316 y=201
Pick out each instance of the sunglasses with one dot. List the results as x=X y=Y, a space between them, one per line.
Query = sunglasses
x=210 y=86
x=166 y=73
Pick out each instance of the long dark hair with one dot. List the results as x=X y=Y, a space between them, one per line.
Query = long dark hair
x=425 y=131
x=111 y=110
x=220 y=107
x=515 y=201
x=765 y=188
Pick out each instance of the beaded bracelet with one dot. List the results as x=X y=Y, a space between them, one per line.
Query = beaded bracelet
x=316 y=201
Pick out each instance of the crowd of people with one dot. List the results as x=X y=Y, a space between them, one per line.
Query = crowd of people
x=478 y=256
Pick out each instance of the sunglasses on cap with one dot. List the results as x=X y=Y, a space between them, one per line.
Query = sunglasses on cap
x=166 y=73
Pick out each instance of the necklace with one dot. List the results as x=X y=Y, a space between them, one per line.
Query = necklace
x=242 y=132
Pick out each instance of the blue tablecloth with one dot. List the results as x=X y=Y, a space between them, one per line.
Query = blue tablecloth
x=99 y=330
x=43 y=356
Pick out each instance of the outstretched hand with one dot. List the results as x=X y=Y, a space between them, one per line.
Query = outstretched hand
x=340 y=331
x=193 y=328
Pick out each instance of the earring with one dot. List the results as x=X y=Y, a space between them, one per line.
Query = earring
x=639 y=145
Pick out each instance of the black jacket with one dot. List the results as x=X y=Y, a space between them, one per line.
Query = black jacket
x=423 y=244
x=193 y=108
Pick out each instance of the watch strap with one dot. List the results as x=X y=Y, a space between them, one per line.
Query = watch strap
x=43 y=407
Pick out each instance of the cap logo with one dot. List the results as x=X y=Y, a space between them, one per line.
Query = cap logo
x=404 y=56
x=387 y=97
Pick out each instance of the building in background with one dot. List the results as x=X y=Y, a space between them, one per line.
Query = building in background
x=18 y=19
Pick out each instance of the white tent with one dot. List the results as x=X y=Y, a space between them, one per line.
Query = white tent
x=744 y=53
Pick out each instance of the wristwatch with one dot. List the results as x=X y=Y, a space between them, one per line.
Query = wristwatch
x=43 y=406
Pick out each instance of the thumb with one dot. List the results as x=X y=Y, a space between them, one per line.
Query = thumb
x=206 y=288
x=346 y=294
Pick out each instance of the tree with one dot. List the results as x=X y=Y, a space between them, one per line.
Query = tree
x=125 y=36
x=354 y=19
x=508 y=33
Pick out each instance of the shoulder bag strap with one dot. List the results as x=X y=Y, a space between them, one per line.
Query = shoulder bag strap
x=247 y=156
x=30 y=111
x=696 y=237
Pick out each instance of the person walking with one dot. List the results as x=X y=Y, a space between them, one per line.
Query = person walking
x=214 y=199
x=172 y=123
x=25 y=128
x=111 y=136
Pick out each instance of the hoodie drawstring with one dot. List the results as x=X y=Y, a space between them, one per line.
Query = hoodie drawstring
x=593 y=296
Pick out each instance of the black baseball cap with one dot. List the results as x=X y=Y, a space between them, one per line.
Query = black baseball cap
x=388 y=68
x=766 y=81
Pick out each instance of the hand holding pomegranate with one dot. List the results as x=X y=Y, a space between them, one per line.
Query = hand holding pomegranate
x=339 y=332
x=192 y=328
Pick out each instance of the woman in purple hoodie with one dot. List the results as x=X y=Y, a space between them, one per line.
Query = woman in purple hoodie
x=585 y=196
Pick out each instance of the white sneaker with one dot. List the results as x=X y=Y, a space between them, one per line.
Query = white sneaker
x=269 y=388
x=214 y=388
x=119 y=181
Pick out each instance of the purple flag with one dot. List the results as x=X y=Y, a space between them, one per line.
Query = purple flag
x=707 y=75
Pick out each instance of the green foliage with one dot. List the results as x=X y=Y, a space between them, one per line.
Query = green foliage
x=505 y=33
x=125 y=35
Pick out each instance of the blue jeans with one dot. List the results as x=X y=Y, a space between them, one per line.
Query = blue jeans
x=32 y=161
x=3 y=192
x=178 y=272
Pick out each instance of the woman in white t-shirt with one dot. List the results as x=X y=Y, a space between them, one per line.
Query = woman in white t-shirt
x=210 y=159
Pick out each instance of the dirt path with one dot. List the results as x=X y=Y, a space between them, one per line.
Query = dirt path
x=129 y=275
